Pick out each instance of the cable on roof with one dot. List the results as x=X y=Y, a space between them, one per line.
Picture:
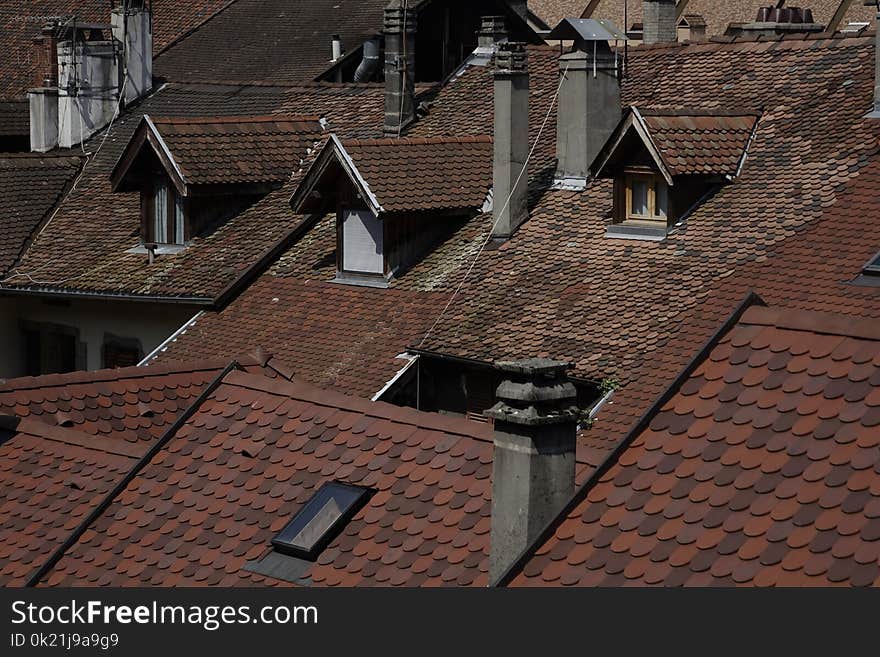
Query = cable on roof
x=503 y=208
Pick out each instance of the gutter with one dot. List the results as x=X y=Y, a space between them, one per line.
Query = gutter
x=99 y=510
x=103 y=296
x=667 y=394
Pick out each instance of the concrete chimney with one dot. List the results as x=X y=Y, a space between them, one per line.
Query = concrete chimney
x=533 y=472
x=43 y=99
x=493 y=29
x=875 y=113
x=510 y=172
x=88 y=79
x=133 y=28
x=658 y=18
x=589 y=109
x=400 y=67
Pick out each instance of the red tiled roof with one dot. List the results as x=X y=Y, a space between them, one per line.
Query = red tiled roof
x=333 y=336
x=231 y=150
x=21 y=20
x=85 y=247
x=30 y=188
x=437 y=173
x=132 y=404
x=718 y=15
x=51 y=480
x=255 y=452
x=762 y=470
x=693 y=143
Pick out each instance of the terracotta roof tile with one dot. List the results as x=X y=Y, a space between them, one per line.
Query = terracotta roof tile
x=409 y=533
x=787 y=523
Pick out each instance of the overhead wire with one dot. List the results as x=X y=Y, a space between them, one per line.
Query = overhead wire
x=488 y=239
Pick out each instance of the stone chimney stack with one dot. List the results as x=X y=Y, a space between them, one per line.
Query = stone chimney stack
x=875 y=114
x=510 y=172
x=400 y=67
x=133 y=30
x=493 y=29
x=533 y=473
x=589 y=109
x=658 y=18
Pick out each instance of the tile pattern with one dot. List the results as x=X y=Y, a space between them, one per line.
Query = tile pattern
x=247 y=149
x=21 y=20
x=333 y=336
x=51 y=478
x=132 y=404
x=701 y=144
x=718 y=15
x=762 y=470
x=85 y=248
x=271 y=41
x=424 y=174
x=14 y=118
x=30 y=189
x=255 y=452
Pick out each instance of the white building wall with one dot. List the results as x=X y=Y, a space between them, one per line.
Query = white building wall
x=150 y=323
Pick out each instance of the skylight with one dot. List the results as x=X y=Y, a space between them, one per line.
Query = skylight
x=320 y=520
x=873 y=267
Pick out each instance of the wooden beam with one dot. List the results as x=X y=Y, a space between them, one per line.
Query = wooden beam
x=590 y=8
x=679 y=9
x=838 y=16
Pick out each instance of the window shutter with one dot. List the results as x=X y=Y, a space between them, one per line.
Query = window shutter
x=160 y=214
x=362 y=243
x=179 y=237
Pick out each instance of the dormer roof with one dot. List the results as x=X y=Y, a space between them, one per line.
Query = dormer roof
x=402 y=175
x=212 y=151
x=681 y=142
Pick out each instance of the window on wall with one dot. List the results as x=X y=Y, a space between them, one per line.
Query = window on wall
x=120 y=352
x=167 y=220
x=362 y=243
x=51 y=349
x=647 y=198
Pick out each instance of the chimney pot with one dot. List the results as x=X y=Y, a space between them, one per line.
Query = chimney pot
x=335 y=47
x=659 y=24
x=511 y=141
x=535 y=443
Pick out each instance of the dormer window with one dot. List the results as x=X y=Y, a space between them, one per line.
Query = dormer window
x=394 y=198
x=647 y=198
x=167 y=217
x=665 y=163
x=193 y=174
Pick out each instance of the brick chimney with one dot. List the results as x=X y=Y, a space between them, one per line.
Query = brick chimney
x=658 y=17
x=875 y=113
x=589 y=109
x=533 y=472
x=510 y=172
x=400 y=67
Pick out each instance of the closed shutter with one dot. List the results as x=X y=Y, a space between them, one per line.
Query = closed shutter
x=160 y=214
x=362 y=243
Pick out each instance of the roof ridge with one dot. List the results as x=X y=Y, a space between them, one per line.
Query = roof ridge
x=687 y=111
x=257 y=118
x=118 y=374
x=303 y=391
x=721 y=40
x=419 y=141
x=813 y=321
x=80 y=439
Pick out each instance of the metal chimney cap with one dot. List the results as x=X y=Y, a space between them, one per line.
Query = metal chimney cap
x=586 y=29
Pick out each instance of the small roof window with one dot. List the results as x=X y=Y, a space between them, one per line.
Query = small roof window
x=873 y=266
x=320 y=520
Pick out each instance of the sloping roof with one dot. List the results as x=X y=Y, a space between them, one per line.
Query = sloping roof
x=409 y=174
x=30 y=188
x=132 y=404
x=51 y=478
x=334 y=336
x=761 y=470
x=223 y=150
x=84 y=249
x=718 y=15
x=21 y=20
x=271 y=41
x=15 y=118
x=255 y=452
